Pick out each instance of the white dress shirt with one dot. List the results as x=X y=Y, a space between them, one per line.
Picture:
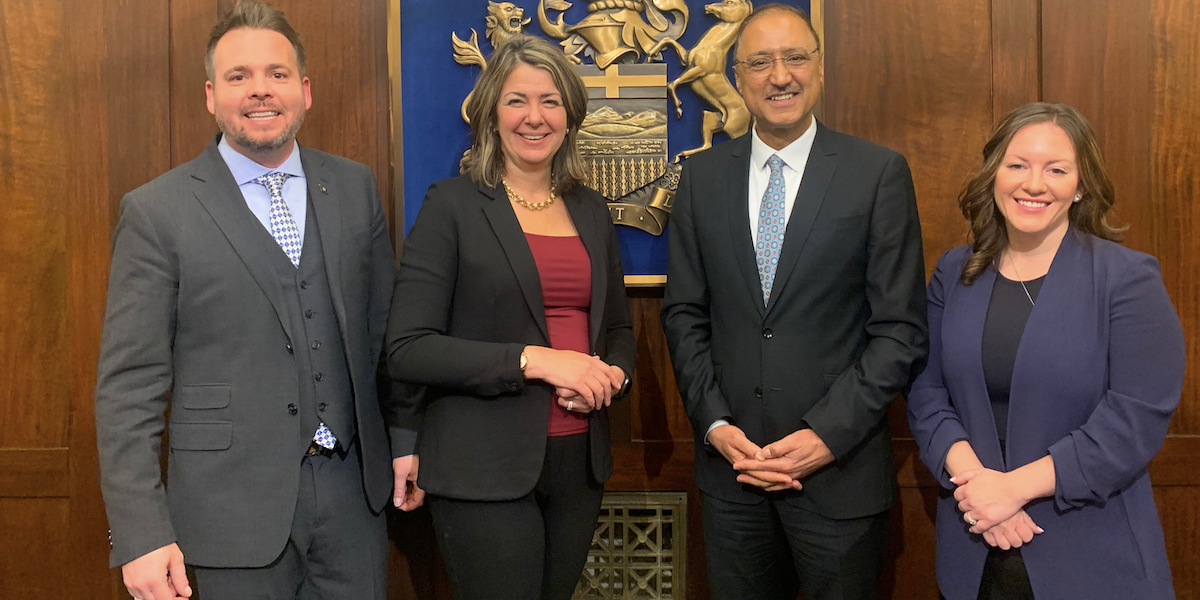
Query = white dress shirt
x=795 y=159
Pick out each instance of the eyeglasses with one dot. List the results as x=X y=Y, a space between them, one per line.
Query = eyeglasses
x=796 y=60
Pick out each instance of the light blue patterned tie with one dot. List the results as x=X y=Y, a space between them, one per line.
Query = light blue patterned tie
x=287 y=235
x=283 y=226
x=771 y=226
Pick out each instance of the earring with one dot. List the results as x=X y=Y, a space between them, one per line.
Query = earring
x=1078 y=197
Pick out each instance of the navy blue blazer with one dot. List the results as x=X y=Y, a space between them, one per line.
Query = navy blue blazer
x=1098 y=373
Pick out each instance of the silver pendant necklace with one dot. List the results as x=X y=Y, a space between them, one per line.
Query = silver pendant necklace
x=1019 y=278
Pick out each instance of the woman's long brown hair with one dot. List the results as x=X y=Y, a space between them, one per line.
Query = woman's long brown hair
x=989 y=236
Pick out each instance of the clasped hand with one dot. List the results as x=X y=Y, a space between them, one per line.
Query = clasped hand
x=583 y=383
x=989 y=498
x=774 y=467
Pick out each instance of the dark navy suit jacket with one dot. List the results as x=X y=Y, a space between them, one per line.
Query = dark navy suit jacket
x=1098 y=373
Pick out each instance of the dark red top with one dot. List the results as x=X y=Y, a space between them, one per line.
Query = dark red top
x=566 y=273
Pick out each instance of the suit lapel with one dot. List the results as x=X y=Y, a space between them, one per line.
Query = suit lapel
x=969 y=345
x=589 y=235
x=813 y=185
x=507 y=228
x=322 y=195
x=1053 y=311
x=218 y=193
x=739 y=219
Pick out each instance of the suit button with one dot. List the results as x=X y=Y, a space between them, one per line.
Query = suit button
x=758 y=391
x=308 y=313
x=289 y=349
x=318 y=376
x=316 y=345
x=767 y=333
x=322 y=406
x=292 y=409
x=304 y=285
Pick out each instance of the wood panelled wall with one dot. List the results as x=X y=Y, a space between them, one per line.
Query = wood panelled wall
x=100 y=96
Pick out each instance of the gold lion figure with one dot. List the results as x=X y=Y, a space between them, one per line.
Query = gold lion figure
x=504 y=20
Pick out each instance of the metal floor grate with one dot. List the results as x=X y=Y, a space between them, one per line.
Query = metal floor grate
x=639 y=549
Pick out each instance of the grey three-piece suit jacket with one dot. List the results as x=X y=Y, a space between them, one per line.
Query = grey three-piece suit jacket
x=202 y=319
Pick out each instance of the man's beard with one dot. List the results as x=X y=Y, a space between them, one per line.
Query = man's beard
x=240 y=138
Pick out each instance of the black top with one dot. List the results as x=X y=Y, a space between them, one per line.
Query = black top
x=1007 y=314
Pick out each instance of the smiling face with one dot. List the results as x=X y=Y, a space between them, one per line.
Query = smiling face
x=781 y=98
x=1037 y=183
x=258 y=95
x=531 y=119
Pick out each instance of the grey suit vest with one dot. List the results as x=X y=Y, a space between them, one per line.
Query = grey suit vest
x=326 y=393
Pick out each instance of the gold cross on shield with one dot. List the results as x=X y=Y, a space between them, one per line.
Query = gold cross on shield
x=612 y=81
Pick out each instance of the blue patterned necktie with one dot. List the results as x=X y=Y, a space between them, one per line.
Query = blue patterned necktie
x=287 y=235
x=771 y=226
x=283 y=226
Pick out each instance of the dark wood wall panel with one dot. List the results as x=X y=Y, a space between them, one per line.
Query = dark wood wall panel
x=1179 y=509
x=192 y=127
x=1106 y=71
x=120 y=138
x=910 y=569
x=33 y=274
x=915 y=76
x=27 y=473
x=1016 y=51
x=1171 y=208
x=37 y=552
x=654 y=402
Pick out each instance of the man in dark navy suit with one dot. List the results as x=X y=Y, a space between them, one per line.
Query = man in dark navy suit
x=795 y=313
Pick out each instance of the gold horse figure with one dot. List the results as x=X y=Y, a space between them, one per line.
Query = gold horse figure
x=705 y=72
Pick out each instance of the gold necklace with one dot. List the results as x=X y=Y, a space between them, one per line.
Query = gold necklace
x=515 y=197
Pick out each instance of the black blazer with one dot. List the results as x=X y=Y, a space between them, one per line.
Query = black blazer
x=839 y=339
x=469 y=299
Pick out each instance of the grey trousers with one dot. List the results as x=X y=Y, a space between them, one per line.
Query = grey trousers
x=337 y=548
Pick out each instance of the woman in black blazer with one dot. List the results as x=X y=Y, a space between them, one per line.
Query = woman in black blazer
x=510 y=310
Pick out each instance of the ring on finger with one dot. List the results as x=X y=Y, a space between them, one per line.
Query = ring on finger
x=570 y=404
x=970 y=521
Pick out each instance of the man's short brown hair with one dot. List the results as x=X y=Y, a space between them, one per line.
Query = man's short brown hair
x=252 y=14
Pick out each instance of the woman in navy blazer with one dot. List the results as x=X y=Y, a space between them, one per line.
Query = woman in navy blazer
x=1056 y=361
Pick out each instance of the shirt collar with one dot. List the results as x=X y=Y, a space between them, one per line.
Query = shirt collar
x=793 y=155
x=245 y=170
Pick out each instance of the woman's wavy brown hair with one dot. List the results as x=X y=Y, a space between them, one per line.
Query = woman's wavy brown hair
x=485 y=162
x=978 y=199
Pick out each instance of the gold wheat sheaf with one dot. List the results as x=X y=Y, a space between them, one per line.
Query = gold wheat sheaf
x=615 y=177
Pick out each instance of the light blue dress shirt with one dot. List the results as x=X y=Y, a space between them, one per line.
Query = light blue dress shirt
x=245 y=171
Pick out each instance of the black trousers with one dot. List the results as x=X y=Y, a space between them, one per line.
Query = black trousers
x=337 y=548
x=1004 y=577
x=770 y=550
x=528 y=548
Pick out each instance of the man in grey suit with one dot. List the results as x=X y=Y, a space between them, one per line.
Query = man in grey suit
x=795 y=313
x=251 y=286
